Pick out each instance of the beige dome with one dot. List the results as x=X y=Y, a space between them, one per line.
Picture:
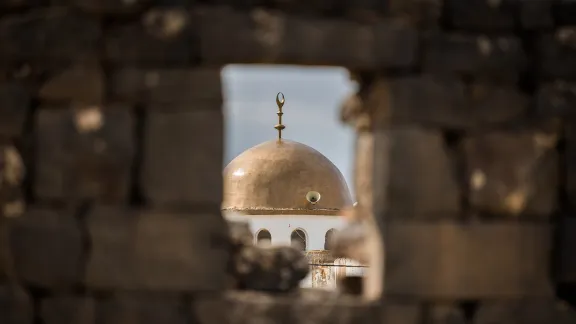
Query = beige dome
x=275 y=177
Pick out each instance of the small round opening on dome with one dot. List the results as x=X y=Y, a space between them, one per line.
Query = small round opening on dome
x=313 y=197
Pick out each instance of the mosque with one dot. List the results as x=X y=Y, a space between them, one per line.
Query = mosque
x=289 y=193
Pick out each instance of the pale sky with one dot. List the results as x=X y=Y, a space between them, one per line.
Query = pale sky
x=311 y=112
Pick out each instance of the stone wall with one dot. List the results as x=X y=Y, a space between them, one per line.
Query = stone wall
x=111 y=147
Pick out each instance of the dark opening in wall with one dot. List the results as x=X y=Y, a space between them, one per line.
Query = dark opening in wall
x=263 y=236
x=329 y=239
x=298 y=239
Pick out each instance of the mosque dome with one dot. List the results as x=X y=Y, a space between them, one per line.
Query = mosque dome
x=284 y=177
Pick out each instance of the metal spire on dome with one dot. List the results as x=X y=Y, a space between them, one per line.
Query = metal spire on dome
x=279 y=127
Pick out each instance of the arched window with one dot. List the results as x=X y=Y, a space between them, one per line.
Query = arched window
x=329 y=239
x=298 y=239
x=263 y=237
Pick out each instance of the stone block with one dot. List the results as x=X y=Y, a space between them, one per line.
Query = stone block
x=84 y=153
x=68 y=310
x=423 y=13
x=143 y=309
x=396 y=46
x=15 y=101
x=12 y=172
x=481 y=57
x=190 y=88
x=47 y=248
x=558 y=54
x=82 y=83
x=15 y=306
x=556 y=99
x=449 y=260
x=183 y=158
x=445 y=313
x=512 y=173
x=536 y=15
x=401 y=312
x=481 y=15
x=525 y=311
x=310 y=306
x=331 y=308
x=433 y=101
x=157 y=251
x=422 y=182
x=162 y=36
x=105 y=7
x=17 y=4
x=564 y=12
x=569 y=162
x=268 y=36
x=565 y=263
x=38 y=35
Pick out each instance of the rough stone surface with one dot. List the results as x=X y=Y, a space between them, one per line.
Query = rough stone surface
x=196 y=89
x=423 y=183
x=15 y=102
x=557 y=52
x=565 y=263
x=481 y=15
x=525 y=311
x=162 y=36
x=481 y=57
x=38 y=36
x=47 y=248
x=556 y=99
x=444 y=102
x=84 y=153
x=570 y=159
x=156 y=250
x=68 y=310
x=143 y=308
x=81 y=84
x=460 y=269
x=270 y=269
x=269 y=36
x=15 y=306
x=12 y=174
x=523 y=183
x=196 y=175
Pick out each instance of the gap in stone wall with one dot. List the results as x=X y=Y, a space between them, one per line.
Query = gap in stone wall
x=312 y=116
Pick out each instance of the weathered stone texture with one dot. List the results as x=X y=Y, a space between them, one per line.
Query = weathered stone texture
x=38 y=36
x=444 y=102
x=557 y=53
x=422 y=183
x=47 y=248
x=82 y=83
x=449 y=260
x=15 y=104
x=156 y=250
x=565 y=265
x=479 y=57
x=186 y=171
x=67 y=310
x=188 y=89
x=270 y=36
x=524 y=181
x=84 y=152
x=162 y=36
x=15 y=306
x=525 y=311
